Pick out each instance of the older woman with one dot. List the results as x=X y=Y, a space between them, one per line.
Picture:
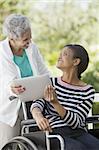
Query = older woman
x=66 y=105
x=19 y=57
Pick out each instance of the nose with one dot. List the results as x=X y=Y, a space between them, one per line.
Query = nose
x=28 y=42
x=60 y=55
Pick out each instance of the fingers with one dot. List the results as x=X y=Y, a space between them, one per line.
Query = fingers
x=44 y=125
x=47 y=126
x=49 y=129
x=49 y=93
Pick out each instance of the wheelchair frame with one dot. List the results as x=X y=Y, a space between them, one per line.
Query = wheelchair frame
x=26 y=142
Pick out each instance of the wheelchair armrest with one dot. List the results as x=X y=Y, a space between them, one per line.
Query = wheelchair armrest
x=28 y=122
x=93 y=119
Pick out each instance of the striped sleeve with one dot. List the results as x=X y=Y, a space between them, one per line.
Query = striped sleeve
x=77 y=118
x=40 y=103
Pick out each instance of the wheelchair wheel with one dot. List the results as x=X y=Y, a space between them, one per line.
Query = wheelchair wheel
x=20 y=143
x=15 y=145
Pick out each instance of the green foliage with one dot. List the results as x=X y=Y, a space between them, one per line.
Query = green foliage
x=8 y=6
x=69 y=24
x=92 y=77
x=92 y=74
x=52 y=57
x=59 y=24
x=96 y=112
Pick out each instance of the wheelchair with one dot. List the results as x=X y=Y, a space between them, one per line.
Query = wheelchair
x=32 y=138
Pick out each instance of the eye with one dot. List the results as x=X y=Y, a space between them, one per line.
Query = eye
x=64 y=53
x=25 y=40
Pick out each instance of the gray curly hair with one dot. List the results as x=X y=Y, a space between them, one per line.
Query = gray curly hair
x=15 y=25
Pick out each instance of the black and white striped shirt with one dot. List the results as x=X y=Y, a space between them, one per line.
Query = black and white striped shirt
x=76 y=99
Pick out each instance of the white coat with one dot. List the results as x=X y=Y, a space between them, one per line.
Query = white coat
x=8 y=71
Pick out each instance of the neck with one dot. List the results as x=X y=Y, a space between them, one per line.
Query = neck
x=70 y=77
x=15 y=50
x=19 y=52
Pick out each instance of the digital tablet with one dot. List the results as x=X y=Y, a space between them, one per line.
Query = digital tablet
x=34 y=87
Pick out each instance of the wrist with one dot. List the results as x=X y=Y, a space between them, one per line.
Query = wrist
x=35 y=112
x=55 y=101
x=37 y=115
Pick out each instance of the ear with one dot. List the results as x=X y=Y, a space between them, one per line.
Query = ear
x=11 y=39
x=77 y=61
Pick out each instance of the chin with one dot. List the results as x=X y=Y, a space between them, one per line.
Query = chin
x=58 y=66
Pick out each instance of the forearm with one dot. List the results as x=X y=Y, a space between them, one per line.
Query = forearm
x=71 y=118
x=41 y=121
x=59 y=108
x=36 y=113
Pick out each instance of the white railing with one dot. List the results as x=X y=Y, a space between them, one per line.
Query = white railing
x=96 y=99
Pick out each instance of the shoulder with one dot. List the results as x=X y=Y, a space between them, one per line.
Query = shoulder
x=54 y=80
x=91 y=90
x=4 y=47
x=86 y=86
x=4 y=42
x=33 y=46
x=90 y=87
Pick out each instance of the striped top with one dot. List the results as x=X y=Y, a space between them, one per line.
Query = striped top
x=76 y=99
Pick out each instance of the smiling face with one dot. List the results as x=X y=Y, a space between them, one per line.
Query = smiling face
x=22 y=42
x=66 y=60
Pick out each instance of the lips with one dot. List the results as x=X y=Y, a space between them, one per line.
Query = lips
x=59 y=60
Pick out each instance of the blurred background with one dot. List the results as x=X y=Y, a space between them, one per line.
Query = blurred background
x=56 y=23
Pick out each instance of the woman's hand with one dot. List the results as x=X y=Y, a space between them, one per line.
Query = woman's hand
x=41 y=121
x=17 y=89
x=43 y=124
x=50 y=94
